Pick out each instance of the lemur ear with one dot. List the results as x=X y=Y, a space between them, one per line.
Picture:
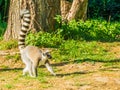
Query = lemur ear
x=47 y=51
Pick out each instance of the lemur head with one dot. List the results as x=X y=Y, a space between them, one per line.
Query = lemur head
x=47 y=54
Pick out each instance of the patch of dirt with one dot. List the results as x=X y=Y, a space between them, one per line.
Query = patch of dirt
x=116 y=51
x=70 y=76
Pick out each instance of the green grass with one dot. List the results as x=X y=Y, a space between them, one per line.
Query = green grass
x=15 y=57
x=84 y=51
x=4 y=45
x=74 y=50
x=76 y=41
x=9 y=86
x=71 y=51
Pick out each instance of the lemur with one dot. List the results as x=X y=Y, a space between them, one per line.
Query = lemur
x=31 y=55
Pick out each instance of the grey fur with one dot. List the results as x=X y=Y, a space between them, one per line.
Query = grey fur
x=31 y=55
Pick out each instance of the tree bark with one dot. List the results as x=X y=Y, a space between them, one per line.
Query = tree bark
x=46 y=11
x=42 y=16
x=14 y=24
x=77 y=11
x=65 y=7
x=13 y=21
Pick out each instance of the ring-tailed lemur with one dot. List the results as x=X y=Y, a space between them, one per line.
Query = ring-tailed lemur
x=31 y=55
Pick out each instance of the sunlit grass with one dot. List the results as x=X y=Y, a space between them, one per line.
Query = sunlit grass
x=85 y=51
x=4 y=45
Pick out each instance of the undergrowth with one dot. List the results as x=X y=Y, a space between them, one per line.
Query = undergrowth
x=76 y=41
x=4 y=45
x=99 y=30
x=90 y=30
x=44 y=39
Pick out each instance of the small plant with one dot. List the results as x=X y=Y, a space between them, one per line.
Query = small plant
x=44 y=39
x=9 y=86
x=8 y=45
x=16 y=57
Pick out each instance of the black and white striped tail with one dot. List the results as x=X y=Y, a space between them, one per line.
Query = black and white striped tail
x=25 y=16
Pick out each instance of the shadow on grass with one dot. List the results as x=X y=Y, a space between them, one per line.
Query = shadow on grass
x=98 y=60
x=67 y=62
x=81 y=61
x=56 y=64
x=74 y=73
x=10 y=69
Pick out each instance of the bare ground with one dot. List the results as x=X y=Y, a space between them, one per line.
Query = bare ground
x=70 y=76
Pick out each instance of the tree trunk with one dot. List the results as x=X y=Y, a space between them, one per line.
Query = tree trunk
x=42 y=16
x=78 y=9
x=14 y=24
x=13 y=21
x=65 y=7
x=46 y=11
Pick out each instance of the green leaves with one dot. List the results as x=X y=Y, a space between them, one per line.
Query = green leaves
x=107 y=9
x=3 y=11
x=45 y=39
x=99 y=30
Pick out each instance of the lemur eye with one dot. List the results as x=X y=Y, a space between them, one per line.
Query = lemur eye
x=44 y=54
x=48 y=55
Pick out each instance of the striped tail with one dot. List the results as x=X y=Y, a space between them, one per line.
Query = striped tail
x=25 y=16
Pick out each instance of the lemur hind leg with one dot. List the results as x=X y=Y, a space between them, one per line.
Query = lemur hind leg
x=34 y=69
x=28 y=65
x=25 y=70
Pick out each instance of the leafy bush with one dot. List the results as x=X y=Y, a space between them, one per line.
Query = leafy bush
x=91 y=30
x=8 y=44
x=44 y=39
x=4 y=4
x=3 y=16
x=107 y=9
x=99 y=30
x=3 y=26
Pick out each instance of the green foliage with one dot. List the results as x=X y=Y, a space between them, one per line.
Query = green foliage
x=3 y=15
x=9 y=86
x=3 y=9
x=16 y=57
x=8 y=44
x=3 y=12
x=44 y=39
x=76 y=40
x=91 y=30
x=73 y=50
x=107 y=9
x=3 y=26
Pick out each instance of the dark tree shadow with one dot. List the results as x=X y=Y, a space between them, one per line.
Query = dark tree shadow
x=74 y=73
x=85 y=60
x=81 y=61
x=10 y=69
x=98 y=60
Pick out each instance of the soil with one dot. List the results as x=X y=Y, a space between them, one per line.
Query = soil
x=70 y=76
